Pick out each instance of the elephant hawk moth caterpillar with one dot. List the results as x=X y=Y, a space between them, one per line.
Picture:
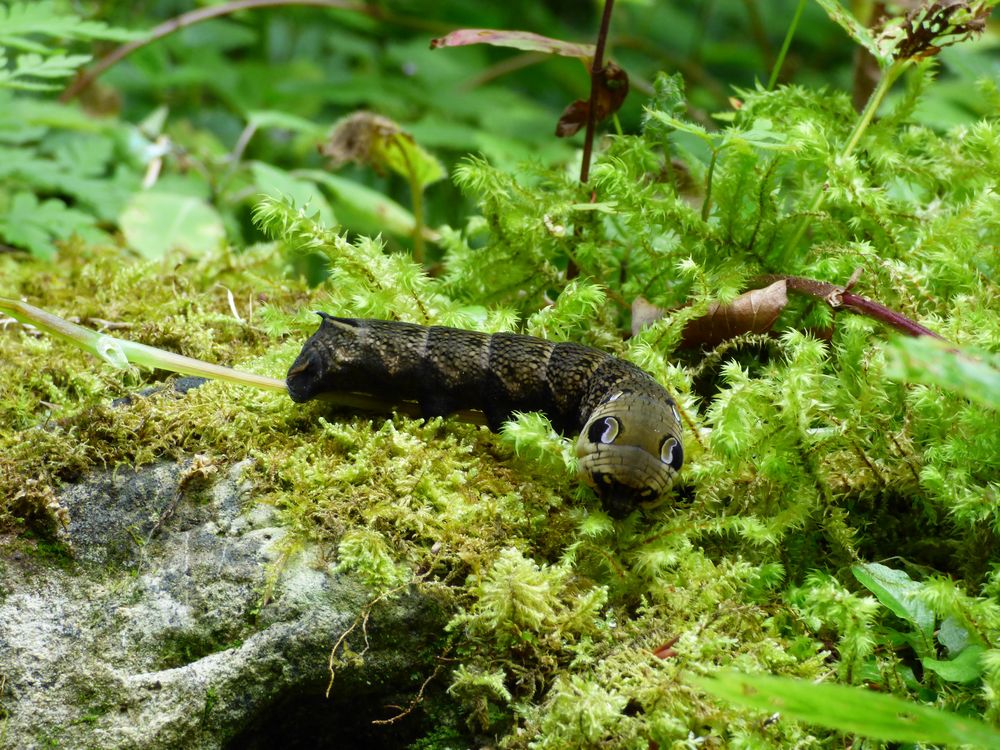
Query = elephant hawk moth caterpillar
x=629 y=444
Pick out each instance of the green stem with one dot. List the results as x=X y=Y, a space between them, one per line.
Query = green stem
x=706 y=206
x=889 y=77
x=417 y=201
x=119 y=353
x=618 y=124
x=785 y=45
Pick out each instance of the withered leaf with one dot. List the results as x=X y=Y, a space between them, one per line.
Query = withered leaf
x=752 y=312
x=374 y=140
x=524 y=40
x=610 y=90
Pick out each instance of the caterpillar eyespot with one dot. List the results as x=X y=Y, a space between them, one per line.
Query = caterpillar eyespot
x=625 y=419
x=604 y=431
x=671 y=453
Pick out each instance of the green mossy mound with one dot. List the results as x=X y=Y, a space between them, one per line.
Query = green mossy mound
x=808 y=460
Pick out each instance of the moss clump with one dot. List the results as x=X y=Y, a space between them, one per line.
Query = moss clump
x=806 y=456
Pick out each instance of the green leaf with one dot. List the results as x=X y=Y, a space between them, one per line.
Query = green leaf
x=157 y=223
x=23 y=19
x=21 y=22
x=267 y=118
x=952 y=635
x=931 y=362
x=849 y=710
x=367 y=138
x=966 y=667
x=681 y=125
x=34 y=225
x=896 y=590
x=761 y=135
x=405 y=156
x=32 y=66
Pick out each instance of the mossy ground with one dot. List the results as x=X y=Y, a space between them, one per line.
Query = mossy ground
x=568 y=629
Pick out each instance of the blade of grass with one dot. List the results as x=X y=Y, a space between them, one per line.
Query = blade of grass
x=850 y=710
x=121 y=353
x=785 y=45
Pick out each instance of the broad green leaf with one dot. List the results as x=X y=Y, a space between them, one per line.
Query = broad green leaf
x=896 y=590
x=277 y=183
x=523 y=40
x=405 y=156
x=850 y=710
x=952 y=636
x=35 y=225
x=157 y=223
x=931 y=362
x=966 y=667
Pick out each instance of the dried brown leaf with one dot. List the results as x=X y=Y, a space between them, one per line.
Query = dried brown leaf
x=752 y=312
x=611 y=88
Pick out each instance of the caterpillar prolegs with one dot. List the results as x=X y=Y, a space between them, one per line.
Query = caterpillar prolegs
x=630 y=431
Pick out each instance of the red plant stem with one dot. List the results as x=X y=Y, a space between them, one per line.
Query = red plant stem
x=876 y=310
x=838 y=296
x=596 y=67
x=214 y=11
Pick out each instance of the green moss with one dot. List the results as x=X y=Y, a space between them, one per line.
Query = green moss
x=803 y=455
x=182 y=648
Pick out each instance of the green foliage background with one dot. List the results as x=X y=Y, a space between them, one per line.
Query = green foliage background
x=838 y=518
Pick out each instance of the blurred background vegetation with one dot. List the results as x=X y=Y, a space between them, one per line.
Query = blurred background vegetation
x=224 y=110
x=808 y=455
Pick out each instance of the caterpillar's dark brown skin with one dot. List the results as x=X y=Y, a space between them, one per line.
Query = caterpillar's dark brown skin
x=630 y=432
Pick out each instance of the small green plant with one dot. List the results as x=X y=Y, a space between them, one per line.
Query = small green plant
x=48 y=151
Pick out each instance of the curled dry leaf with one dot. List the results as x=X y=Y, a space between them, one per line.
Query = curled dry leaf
x=752 y=312
x=524 y=40
x=610 y=90
x=354 y=138
x=376 y=141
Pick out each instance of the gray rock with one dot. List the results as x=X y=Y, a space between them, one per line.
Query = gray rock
x=154 y=633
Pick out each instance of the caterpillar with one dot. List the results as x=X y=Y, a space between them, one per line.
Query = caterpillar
x=629 y=444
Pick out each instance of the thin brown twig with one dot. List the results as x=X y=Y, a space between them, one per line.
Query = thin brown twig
x=595 y=72
x=837 y=296
x=204 y=14
x=417 y=700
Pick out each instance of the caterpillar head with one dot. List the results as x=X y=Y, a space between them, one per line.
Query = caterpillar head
x=313 y=371
x=630 y=448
